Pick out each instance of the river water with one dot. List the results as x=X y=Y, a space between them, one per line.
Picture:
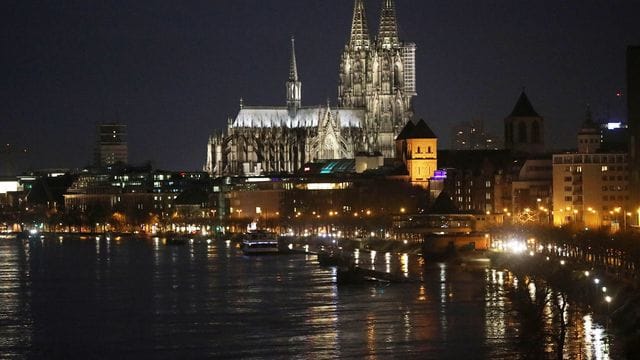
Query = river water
x=134 y=298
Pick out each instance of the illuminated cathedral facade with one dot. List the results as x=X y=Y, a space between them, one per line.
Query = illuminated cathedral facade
x=376 y=85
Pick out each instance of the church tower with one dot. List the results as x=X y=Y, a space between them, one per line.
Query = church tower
x=524 y=128
x=294 y=86
x=378 y=77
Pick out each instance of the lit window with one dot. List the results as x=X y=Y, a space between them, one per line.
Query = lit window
x=604 y=168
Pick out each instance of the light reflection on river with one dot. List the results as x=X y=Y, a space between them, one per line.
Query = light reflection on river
x=90 y=298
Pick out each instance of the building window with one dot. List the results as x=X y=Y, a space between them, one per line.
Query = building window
x=522 y=132
x=535 y=132
x=604 y=168
x=567 y=198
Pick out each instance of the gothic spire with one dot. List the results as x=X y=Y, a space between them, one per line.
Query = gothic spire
x=359 y=30
x=388 y=33
x=293 y=67
x=294 y=86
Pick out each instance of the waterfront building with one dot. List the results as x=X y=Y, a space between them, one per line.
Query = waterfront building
x=111 y=146
x=133 y=195
x=10 y=194
x=321 y=197
x=524 y=128
x=417 y=147
x=591 y=186
x=376 y=84
x=531 y=190
x=478 y=180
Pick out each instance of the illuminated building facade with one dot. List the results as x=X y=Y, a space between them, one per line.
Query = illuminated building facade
x=321 y=200
x=375 y=89
x=591 y=186
x=135 y=193
x=417 y=147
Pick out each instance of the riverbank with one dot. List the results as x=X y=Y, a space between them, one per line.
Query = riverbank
x=613 y=300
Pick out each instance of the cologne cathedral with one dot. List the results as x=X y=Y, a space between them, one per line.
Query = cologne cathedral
x=376 y=83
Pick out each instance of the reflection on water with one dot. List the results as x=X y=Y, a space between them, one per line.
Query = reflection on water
x=495 y=310
x=16 y=324
x=142 y=298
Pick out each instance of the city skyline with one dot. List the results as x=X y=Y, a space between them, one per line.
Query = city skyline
x=174 y=73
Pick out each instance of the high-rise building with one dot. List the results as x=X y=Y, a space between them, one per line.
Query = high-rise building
x=472 y=136
x=111 y=147
x=375 y=87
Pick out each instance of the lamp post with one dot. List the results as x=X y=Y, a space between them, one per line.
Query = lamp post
x=625 y=219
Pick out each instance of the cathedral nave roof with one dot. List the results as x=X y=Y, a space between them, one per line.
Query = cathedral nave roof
x=259 y=117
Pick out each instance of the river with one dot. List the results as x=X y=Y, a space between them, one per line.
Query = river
x=138 y=298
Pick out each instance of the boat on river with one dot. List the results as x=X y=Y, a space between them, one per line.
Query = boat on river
x=260 y=242
x=352 y=274
x=355 y=275
x=334 y=258
x=176 y=239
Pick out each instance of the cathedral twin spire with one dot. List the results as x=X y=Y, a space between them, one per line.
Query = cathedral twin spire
x=359 y=30
x=387 y=33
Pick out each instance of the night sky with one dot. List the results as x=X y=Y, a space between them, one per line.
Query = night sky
x=173 y=71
